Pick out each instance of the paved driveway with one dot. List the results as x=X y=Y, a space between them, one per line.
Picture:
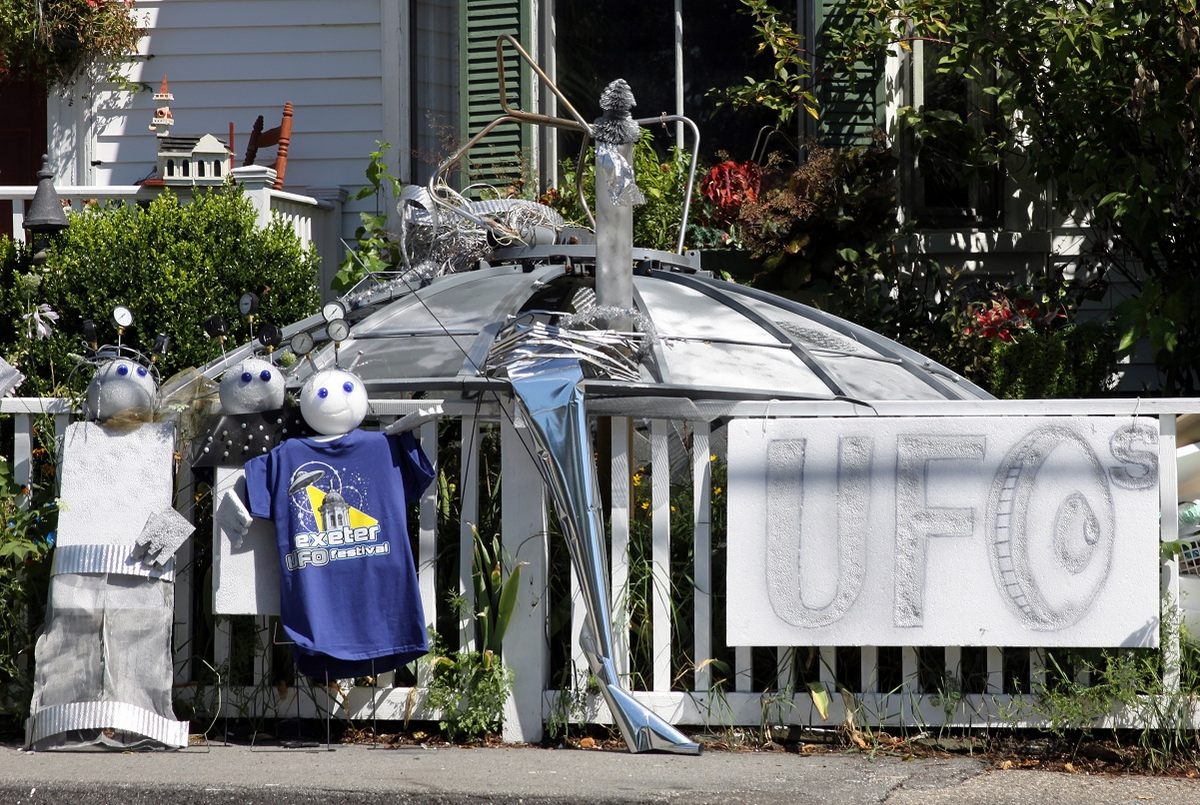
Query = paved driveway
x=365 y=776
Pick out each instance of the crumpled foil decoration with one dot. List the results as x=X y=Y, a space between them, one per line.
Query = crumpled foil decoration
x=434 y=244
x=622 y=187
x=615 y=128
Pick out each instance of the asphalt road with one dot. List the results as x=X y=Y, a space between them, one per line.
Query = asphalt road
x=358 y=775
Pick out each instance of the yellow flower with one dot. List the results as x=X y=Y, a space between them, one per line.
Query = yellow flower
x=712 y=456
x=717 y=491
x=645 y=505
x=674 y=509
x=637 y=478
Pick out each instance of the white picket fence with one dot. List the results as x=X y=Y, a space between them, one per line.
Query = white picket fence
x=908 y=687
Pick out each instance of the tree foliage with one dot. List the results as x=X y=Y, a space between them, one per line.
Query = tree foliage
x=1098 y=101
x=788 y=87
x=54 y=41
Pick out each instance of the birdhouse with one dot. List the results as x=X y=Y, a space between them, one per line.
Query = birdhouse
x=163 y=119
x=192 y=160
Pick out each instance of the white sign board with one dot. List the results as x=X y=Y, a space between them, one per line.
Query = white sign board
x=966 y=531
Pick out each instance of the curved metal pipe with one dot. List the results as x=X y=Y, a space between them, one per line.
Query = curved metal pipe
x=532 y=117
x=691 y=182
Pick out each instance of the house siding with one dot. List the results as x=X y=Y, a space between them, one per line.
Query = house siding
x=232 y=61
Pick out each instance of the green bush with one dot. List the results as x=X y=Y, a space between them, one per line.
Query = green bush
x=27 y=519
x=173 y=264
x=1075 y=361
x=663 y=182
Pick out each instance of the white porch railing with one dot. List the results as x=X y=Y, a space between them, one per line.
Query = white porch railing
x=901 y=686
x=316 y=222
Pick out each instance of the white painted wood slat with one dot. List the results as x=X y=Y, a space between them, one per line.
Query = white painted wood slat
x=660 y=568
x=702 y=557
x=621 y=472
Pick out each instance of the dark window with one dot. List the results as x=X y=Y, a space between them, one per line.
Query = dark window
x=950 y=185
x=635 y=40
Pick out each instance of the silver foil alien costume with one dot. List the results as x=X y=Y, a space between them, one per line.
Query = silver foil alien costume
x=545 y=367
x=103 y=663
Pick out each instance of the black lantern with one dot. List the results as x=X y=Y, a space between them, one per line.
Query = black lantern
x=46 y=217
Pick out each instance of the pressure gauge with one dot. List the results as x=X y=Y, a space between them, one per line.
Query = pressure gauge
x=302 y=343
x=338 y=330
x=248 y=304
x=122 y=316
x=162 y=342
x=270 y=335
x=215 y=327
x=333 y=311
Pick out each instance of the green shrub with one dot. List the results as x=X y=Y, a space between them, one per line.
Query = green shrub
x=27 y=519
x=1075 y=361
x=173 y=264
x=663 y=182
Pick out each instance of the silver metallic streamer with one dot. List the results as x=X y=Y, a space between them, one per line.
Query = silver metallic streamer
x=546 y=390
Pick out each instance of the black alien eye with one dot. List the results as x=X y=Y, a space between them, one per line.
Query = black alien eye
x=322 y=392
x=265 y=375
x=122 y=370
x=348 y=387
x=141 y=371
x=247 y=377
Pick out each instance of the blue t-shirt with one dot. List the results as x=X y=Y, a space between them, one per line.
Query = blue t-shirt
x=348 y=585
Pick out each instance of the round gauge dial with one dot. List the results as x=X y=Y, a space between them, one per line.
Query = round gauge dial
x=338 y=330
x=248 y=303
x=269 y=335
x=215 y=327
x=302 y=343
x=333 y=311
x=122 y=316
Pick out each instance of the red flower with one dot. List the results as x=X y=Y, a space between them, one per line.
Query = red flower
x=731 y=184
x=1001 y=319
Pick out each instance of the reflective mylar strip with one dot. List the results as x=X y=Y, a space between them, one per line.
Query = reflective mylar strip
x=105 y=715
x=107 y=559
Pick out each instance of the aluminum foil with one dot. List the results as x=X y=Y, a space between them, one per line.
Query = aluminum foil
x=546 y=390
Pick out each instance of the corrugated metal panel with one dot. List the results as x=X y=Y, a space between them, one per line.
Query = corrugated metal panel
x=502 y=157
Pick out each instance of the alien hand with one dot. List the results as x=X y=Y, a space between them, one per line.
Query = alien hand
x=425 y=413
x=233 y=517
x=162 y=535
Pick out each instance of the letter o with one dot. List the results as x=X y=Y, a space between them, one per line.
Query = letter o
x=1050 y=565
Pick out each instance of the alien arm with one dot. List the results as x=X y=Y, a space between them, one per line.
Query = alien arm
x=233 y=517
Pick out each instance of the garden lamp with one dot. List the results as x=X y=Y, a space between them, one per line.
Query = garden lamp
x=46 y=217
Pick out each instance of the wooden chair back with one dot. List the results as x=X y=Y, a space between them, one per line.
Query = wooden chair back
x=280 y=137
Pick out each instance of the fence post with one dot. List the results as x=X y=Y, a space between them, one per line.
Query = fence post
x=256 y=182
x=523 y=534
x=1168 y=485
x=327 y=235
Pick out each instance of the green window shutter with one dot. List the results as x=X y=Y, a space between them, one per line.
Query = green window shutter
x=851 y=104
x=505 y=154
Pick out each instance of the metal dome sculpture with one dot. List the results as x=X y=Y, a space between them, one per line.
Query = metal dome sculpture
x=563 y=329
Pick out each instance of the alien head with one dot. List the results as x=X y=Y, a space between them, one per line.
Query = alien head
x=252 y=386
x=120 y=387
x=333 y=402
